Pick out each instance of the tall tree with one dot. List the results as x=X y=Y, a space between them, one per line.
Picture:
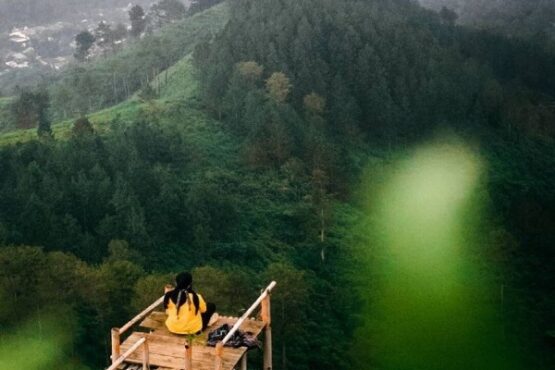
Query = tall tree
x=23 y=111
x=278 y=87
x=138 y=20
x=290 y=306
x=84 y=41
x=82 y=127
x=103 y=35
x=42 y=103
x=30 y=109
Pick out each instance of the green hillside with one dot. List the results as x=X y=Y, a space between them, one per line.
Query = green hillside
x=177 y=85
x=178 y=82
x=392 y=171
x=172 y=45
x=113 y=79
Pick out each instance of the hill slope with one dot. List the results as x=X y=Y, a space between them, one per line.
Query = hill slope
x=114 y=79
x=514 y=18
x=251 y=161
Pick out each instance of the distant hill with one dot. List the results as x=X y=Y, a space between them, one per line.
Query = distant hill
x=19 y=13
x=520 y=18
x=37 y=36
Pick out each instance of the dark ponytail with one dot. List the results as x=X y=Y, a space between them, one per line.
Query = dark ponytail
x=180 y=294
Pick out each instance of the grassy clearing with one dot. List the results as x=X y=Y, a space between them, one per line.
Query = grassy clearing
x=178 y=82
x=125 y=112
x=176 y=87
x=173 y=109
x=205 y=137
x=210 y=145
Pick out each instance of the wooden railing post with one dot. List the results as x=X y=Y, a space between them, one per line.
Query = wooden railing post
x=244 y=362
x=189 y=354
x=116 y=342
x=146 y=360
x=267 y=319
x=219 y=353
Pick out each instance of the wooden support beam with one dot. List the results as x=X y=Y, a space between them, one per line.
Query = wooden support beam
x=244 y=362
x=267 y=318
x=116 y=343
x=218 y=356
x=189 y=354
x=146 y=353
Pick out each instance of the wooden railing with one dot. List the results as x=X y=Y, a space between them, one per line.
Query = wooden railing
x=264 y=302
x=117 y=332
x=141 y=342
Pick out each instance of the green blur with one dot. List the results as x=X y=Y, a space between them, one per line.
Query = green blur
x=40 y=344
x=430 y=303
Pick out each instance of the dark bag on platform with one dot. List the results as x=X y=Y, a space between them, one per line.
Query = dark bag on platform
x=239 y=338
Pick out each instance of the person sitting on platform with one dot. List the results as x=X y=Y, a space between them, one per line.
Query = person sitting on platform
x=187 y=311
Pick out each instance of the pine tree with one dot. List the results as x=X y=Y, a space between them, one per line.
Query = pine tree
x=84 y=41
x=42 y=104
x=82 y=127
x=103 y=35
x=138 y=20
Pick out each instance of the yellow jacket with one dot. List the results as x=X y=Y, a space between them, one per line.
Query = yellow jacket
x=186 y=321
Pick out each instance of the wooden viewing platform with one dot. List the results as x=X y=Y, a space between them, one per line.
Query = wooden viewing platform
x=152 y=346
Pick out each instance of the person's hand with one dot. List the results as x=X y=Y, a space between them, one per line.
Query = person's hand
x=168 y=288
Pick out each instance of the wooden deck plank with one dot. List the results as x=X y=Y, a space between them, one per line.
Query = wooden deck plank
x=200 y=362
x=176 y=346
x=166 y=350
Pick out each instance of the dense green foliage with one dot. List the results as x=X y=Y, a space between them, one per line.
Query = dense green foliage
x=376 y=76
x=91 y=299
x=251 y=168
x=77 y=195
x=310 y=79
